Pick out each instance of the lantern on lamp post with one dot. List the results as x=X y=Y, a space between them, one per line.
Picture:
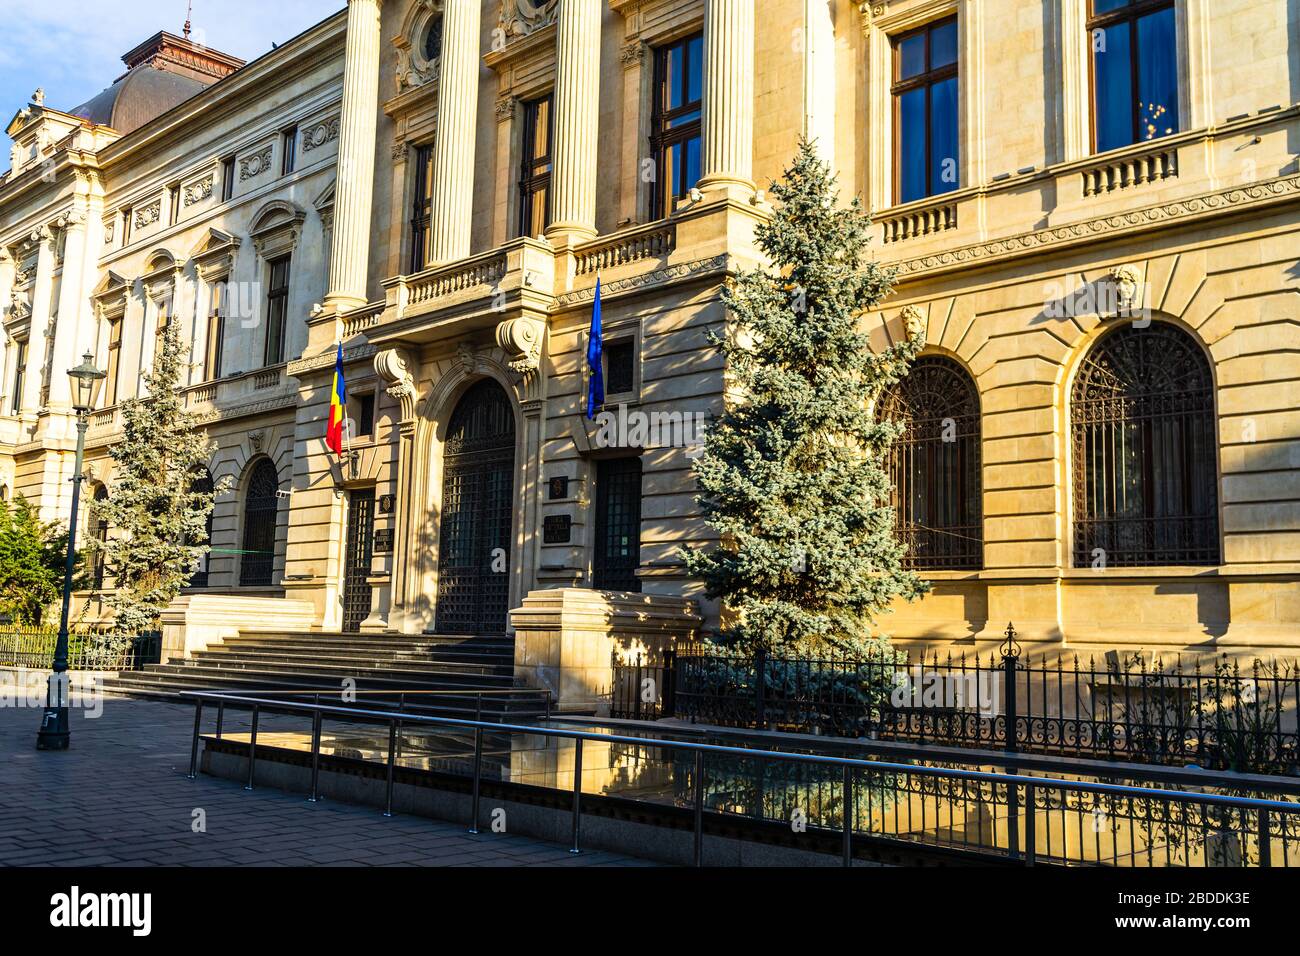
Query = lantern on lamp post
x=86 y=381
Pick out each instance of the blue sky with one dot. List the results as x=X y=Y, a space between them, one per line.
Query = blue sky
x=73 y=48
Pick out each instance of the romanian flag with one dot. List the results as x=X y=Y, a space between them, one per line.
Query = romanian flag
x=338 y=408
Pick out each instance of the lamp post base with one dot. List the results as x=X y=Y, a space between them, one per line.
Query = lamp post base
x=54 y=734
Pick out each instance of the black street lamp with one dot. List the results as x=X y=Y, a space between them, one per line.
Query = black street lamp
x=86 y=381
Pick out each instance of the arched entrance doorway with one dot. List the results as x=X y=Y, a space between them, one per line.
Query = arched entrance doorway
x=477 y=508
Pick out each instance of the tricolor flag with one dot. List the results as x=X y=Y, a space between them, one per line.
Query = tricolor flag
x=595 y=347
x=338 y=408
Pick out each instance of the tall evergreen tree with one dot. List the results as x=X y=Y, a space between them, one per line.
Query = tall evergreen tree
x=159 y=518
x=793 y=472
x=31 y=562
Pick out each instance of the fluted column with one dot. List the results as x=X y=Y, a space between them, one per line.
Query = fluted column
x=68 y=327
x=355 y=180
x=728 y=120
x=453 y=159
x=39 y=329
x=577 y=112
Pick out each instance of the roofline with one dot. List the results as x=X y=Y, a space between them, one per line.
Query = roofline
x=332 y=27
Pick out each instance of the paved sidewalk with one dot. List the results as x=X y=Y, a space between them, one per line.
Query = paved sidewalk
x=120 y=797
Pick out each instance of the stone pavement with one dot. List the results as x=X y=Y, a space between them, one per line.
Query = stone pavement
x=120 y=797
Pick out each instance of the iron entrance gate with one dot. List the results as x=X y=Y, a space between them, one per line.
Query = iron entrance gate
x=477 y=509
x=361 y=538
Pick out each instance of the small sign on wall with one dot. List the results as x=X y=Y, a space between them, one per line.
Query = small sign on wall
x=559 y=487
x=557 y=529
x=383 y=541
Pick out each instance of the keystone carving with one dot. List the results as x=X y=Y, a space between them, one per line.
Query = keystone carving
x=394 y=367
x=521 y=340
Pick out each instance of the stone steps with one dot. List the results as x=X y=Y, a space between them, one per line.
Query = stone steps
x=388 y=666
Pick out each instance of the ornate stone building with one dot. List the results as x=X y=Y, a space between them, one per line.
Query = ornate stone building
x=1091 y=205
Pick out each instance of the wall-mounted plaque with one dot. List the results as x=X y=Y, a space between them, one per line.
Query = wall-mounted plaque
x=557 y=529
x=383 y=541
x=559 y=487
x=386 y=503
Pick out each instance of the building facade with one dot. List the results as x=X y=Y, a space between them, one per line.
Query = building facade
x=1091 y=205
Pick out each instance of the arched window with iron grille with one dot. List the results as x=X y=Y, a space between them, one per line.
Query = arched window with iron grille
x=1142 y=436
x=260 y=507
x=934 y=467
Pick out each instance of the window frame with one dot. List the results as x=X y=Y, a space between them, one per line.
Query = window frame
x=20 y=376
x=288 y=150
x=114 y=349
x=421 y=222
x=227 y=178
x=535 y=171
x=662 y=138
x=924 y=80
x=276 y=318
x=1131 y=13
x=216 y=329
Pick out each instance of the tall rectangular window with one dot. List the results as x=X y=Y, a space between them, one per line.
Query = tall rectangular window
x=421 y=209
x=173 y=204
x=114 y=360
x=20 y=374
x=925 y=111
x=227 y=178
x=535 y=174
x=216 y=333
x=1134 y=71
x=126 y=225
x=675 y=121
x=288 y=150
x=162 y=309
x=277 y=309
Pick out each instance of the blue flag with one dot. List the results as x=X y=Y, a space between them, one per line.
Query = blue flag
x=595 y=346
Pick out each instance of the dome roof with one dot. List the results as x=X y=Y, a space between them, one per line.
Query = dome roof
x=134 y=99
x=162 y=72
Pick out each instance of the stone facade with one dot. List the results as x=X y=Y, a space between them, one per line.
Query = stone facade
x=393 y=97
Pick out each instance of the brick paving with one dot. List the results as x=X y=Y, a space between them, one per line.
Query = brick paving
x=120 y=797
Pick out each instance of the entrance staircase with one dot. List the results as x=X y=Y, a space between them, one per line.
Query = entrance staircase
x=439 y=675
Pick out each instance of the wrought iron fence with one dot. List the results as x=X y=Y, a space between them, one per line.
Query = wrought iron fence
x=89 y=649
x=1217 y=713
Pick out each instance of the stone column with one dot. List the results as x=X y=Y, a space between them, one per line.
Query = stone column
x=577 y=114
x=354 y=185
x=42 y=293
x=394 y=367
x=453 y=159
x=728 y=120
x=68 y=348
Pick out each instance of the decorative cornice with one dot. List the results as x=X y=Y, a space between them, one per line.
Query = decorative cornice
x=718 y=263
x=254 y=164
x=326 y=359
x=1105 y=227
x=199 y=190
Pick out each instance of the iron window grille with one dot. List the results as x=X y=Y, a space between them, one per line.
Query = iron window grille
x=261 y=507
x=1142 y=435
x=934 y=466
x=618 y=525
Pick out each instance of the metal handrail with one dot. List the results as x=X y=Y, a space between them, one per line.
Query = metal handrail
x=1264 y=807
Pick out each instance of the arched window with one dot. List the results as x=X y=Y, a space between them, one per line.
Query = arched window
x=98 y=531
x=260 y=506
x=1143 y=438
x=202 y=484
x=934 y=466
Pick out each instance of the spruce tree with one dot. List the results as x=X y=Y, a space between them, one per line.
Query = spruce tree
x=158 y=518
x=31 y=562
x=792 y=473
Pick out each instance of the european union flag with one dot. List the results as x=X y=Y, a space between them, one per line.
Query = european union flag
x=595 y=346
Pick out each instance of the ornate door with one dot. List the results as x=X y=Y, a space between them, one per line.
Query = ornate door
x=360 y=549
x=477 y=508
